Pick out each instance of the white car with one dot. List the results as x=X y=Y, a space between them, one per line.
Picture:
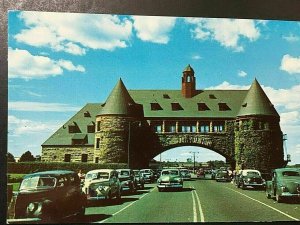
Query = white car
x=102 y=184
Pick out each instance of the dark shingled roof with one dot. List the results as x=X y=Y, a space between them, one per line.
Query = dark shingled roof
x=257 y=102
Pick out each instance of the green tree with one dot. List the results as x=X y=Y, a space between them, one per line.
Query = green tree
x=10 y=157
x=27 y=157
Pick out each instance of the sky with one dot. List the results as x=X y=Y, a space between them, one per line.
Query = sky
x=58 y=62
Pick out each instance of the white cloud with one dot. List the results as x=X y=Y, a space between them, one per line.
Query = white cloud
x=228 y=32
x=41 y=107
x=290 y=118
x=73 y=32
x=196 y=57
x=291 y=38
x=227 y=86
x=153 y=29
x=22 y=64
x=17 y=126
x=290 y=64
x=242 y=73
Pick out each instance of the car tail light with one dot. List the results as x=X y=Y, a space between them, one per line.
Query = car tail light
x=298 y=188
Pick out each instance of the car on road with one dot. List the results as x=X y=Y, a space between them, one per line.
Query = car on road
x=148 y=175
x=140 y=182
x=285 y=184
x=48 y=197
x=222 y=175
x=185 y=174
x=128 y=180
x=170 y=178
x=250 y=178
x=102 y=184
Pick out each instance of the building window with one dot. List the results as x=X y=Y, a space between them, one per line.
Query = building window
x=170 y=128
x=98 y=125
x=157 y=129
x=74 y=128
x=223 y=107
x=218 y=127
x=176 y=106
x=98 y=143
x=204 y=127
x=84 y=157
x=188 y=79
x=67 y=158
x=79 y=139
x=91 y=128
x=155 y=106
x=211 y=96
x=97 y=160
x=202 y=107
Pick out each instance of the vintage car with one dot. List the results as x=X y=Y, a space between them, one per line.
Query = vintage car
x=128 y=181
x=285 y=184
x=185 y=174
x=140 y=182
x=102 y=184
x=250 y=178
x=170 y=178
x=48 y=197
x=222 y=175
x=148 y=175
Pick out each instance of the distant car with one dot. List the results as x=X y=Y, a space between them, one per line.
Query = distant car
x=140 y=182
x=170 y=178
x=148 y=175
x=185 y=174
x=127 y=179
x=250 y=178
x=102 y=184
x=222 y=175
x=48 y=197
x=285 y=184
x=200 y=173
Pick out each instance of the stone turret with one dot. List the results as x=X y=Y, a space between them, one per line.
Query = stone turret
x=113 y=124
x=188 y=88
x=258 y=138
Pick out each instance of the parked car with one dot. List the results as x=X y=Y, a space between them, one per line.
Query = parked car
x=170 y=178
x=250 y=178
x=102 y=184
x=222 y=175
x=49 y=196
x=285 y=184
x=148 y=175
x=185 y=174
x=200 y=173
x=128 y=181
x=140 y=182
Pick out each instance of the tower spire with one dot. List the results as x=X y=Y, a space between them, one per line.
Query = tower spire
x=188 y=88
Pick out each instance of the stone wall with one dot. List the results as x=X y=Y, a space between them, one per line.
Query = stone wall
x=57 y=154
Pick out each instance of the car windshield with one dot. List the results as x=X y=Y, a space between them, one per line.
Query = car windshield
x=169 y=172
x=97 y=175
x=136 y=173
x=124 y=173
x=291 y=174
x=38 y=182
x=184 y=171
x=252 y=173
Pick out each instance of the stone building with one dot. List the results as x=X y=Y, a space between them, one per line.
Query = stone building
x=134 y=126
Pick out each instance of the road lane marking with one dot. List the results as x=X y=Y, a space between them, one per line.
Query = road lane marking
x=194 y=207
x=264 y=204
x=103 y=221
x=199 y=206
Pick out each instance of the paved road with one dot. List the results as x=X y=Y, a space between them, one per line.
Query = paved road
x=200 y=201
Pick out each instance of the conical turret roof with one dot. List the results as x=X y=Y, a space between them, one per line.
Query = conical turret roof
x=119 y=102
x=188 y=69
x=257 y=102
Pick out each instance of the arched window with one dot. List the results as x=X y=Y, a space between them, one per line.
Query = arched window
x=188 y=79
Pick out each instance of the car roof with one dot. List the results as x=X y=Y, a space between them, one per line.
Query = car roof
x=100 y=170
x=123 y=169
x=244 y=172
x=50 y=172
x=287 y=169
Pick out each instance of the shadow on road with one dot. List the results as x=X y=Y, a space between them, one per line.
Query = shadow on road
x=90 y=218
x=177 y=190
x=103 y=203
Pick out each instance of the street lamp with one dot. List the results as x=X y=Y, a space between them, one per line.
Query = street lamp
x=129 y=136
x=194 y=159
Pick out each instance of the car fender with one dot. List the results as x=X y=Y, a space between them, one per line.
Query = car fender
x=269 y=187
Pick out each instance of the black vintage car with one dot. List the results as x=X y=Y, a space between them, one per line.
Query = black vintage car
x=250 y=178
x=48 y=197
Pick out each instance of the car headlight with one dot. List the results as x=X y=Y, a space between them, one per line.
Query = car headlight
x=32 y=206
x=101 y=188
x=284 y=189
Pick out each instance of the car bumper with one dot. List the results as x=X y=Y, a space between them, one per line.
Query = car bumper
x=24 y=221
x=254 y=185
x=96 y=197
x=170 y=185
x=287 y=194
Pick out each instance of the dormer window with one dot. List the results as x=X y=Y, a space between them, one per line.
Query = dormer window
x=211 y=96
x=155 y=106
x=166 y=96
x=224 y=107
x=176 y=106
x=79 y=139
x=91 y=127
x=87 y=114
x=202 y=107
x=73 y=128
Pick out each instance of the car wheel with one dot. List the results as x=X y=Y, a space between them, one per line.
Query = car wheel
x=142 y=186
x=279 y=199
x=118 y=195
x=243 y=186
x=268 y=195
x=159 y=189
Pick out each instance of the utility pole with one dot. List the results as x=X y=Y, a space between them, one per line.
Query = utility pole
x=194 y=153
